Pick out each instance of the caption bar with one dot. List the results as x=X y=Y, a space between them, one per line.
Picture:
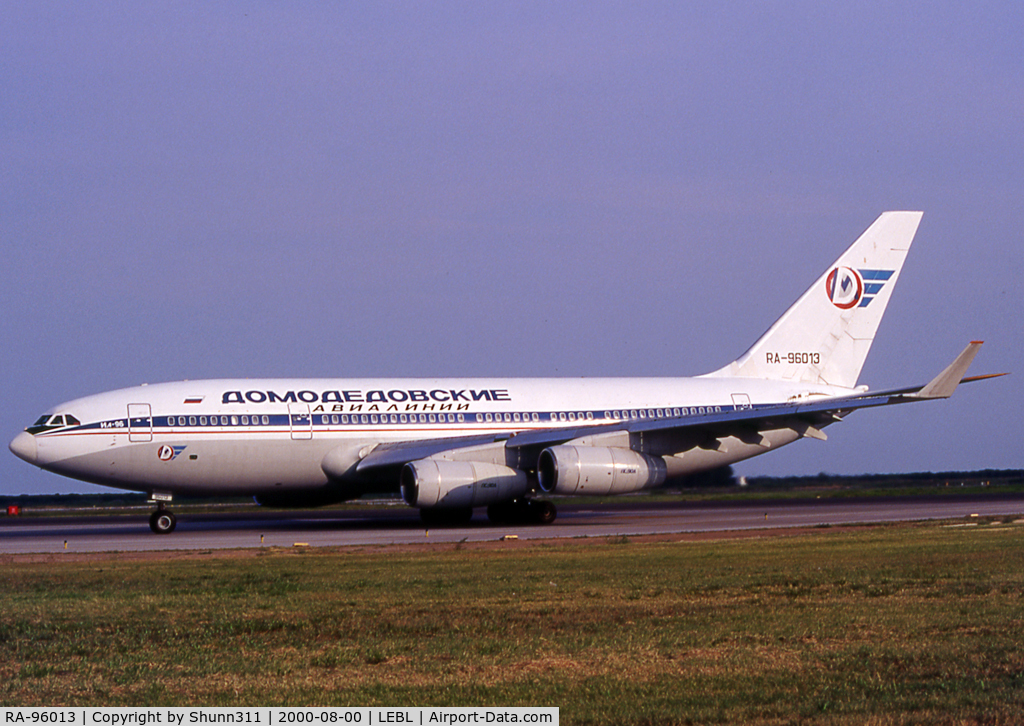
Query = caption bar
x=188 y=716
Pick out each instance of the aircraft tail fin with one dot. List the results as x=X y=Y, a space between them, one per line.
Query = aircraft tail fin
x=826 y=335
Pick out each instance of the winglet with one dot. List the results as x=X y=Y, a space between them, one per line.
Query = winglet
x=943 y=385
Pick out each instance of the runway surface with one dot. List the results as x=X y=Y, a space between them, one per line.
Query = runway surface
x=400 y=525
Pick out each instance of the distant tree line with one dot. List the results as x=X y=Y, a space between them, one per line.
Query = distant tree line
x=725 y=477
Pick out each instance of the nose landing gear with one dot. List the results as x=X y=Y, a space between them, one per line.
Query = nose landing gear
x=162 y=521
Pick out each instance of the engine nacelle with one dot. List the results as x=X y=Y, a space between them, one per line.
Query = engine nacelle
x=442 y=483
x=597 y=471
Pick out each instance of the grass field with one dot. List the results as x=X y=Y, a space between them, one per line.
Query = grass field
x=895 y=624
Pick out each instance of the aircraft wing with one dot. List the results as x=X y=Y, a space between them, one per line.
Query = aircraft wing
x=806 y=417
x=402 y=452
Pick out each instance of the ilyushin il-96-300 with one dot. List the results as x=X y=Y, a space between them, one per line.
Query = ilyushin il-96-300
x=451 y=445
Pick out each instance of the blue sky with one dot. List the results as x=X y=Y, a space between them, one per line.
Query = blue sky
x=248 y=189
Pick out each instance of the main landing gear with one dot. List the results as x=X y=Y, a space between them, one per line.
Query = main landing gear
x=162 y=521
x=518 y=511
x=522 y=511
x=447 y=517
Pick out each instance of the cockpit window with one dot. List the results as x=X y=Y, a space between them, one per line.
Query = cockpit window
x=49 y=422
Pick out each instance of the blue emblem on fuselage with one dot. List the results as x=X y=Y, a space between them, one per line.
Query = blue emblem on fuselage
x=169 y=453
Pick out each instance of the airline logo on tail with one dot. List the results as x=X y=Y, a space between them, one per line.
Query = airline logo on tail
x=848 y=288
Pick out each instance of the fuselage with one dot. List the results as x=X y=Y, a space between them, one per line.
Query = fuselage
x=272 y=437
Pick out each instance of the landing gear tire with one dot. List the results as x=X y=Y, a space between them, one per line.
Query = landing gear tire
x=457 y=517
x=162 y=522
x=522 y=511
x=544 y=512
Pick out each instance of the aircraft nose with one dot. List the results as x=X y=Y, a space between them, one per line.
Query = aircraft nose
x=24 y=447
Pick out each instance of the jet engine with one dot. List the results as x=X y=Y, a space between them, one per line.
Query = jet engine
x=449 y=484
x=597 y=471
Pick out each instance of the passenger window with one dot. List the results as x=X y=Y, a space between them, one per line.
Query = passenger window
x=266 y=420
x=202 y=420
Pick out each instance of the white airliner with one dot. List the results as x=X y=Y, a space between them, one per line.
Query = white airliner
x=453 y=444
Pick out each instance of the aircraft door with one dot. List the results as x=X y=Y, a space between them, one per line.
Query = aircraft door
x=741 y=401
x=140 y=422
x=300 y=420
